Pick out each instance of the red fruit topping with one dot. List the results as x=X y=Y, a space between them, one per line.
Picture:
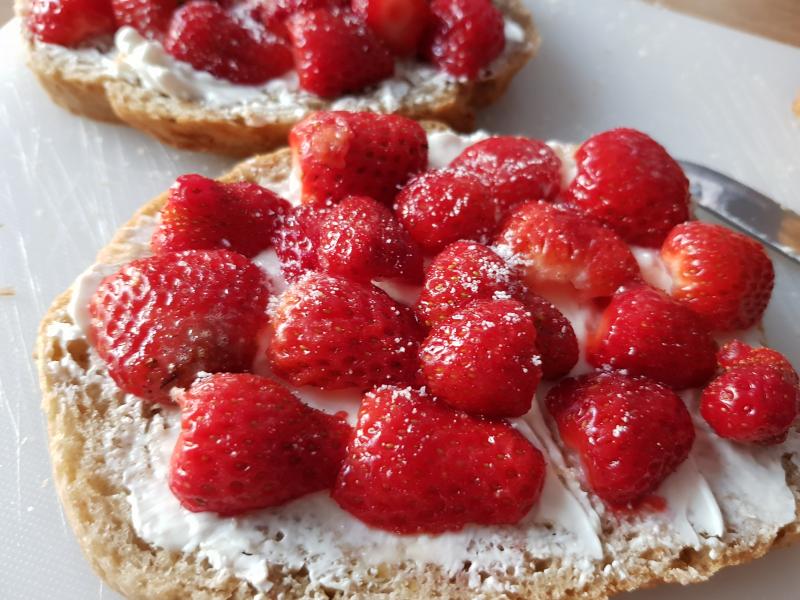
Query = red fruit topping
x=627 y=181
x=645 y=332
x=334 y=333
x=555 y=246
x=203 y=214
x=246 y=442
x=630 y=432
x=335 y=54
x=722 y=275
x=273 y=14
x=555 y=338
x=297 y=240
x=755 y=398
x=418 y=466
x=340 y=154
x=400 y=24
x=202 y=34
x=462 y=272
x=444 y=206
x=515 y=169
x=70 y=22
x=483 y=359
x=160 y=320
x=149 y=17
x=360 y=239
x=467 y=35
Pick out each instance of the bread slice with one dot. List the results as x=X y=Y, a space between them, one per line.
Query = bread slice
x=78 y=82
x=83 y=405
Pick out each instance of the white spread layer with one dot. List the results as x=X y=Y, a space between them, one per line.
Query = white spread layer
x=720 y=487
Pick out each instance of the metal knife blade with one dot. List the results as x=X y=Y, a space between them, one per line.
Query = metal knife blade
x=744 y=208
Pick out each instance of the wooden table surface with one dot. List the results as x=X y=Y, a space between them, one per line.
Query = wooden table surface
x=776 y=19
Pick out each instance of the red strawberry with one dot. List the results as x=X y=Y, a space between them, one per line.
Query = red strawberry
x=340 y=154
x=70 y=22
x=160 y=320
x=202 y=34
x=247 y=442
x=441 y=207
x=755 y=398
x=333 y=333
x=415 y=465
x=645 y=332
x=400 y=24
x=483 y=359
x=360 y=239
x=559 y=247
x=335 y=54
x=297 y=240
x=467 y=36
x=630 y=432
x=555 y=338
x=515 y=169
x=722 y=275
x=627 y=181
x=149 y=17
x=273 y=14
x=203 y=214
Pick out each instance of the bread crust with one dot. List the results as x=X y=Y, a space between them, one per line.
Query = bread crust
x=193 y=126
x=95 y=502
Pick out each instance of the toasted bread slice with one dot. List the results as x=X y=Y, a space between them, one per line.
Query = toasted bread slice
x=79 y=81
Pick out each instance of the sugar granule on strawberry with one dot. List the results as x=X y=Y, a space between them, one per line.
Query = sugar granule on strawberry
x=755 y=398
x=338 y=154
x=720 y=274
x=483 y=359
x=204 y=35
x=149 y=17
x=161 y=320
x=552 y=246
x=630 y=432
x=360 y=239
x=335 y=53
x=70 y=22
x=645 y=332
x=629 y=182
x=203 y=214
x=466 y=36
x=441 y=207
x=334 y=333
x=246 y=442
x=400 y=24
x=515 y=169
x=415 y=465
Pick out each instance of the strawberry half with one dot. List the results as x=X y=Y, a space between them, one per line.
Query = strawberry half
x=149 y=17
x=297 y=240
x=70 y=22
x=400 y=24
x=415 y=465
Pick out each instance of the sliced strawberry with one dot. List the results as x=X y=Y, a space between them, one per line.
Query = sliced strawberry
x=722 y=275
x=400 y=24
x=161 y=320
x=339 y=154
x=297 y=240
x=441 y=207
x=202 y=34
x=555 y=338
x=483 y=359
x=645 y=332
x=360 y=239
x=333 y=333
x=149 y=17
x=515 y=169
x=203 y=214
x=467 y=35
x=558 y=247
x=626 y=180
x=247 y=442
x=755 y=398
x=335 y=53
x=630 y=432
x=415 y=465
x=70 y=22
x=273 y=14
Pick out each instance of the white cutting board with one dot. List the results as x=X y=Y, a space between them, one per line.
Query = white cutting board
x=710 y=94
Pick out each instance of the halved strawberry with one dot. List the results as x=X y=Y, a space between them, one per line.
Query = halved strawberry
x=70 y=22
x=149 y=17
x=297 y=240
x=555 y=338
x=400 y=24
x=273 y=14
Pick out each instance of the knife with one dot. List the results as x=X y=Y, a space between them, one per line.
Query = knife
x=744 y=208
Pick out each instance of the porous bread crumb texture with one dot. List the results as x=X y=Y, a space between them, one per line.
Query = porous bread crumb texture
x=191 y=125
x=81 y=401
